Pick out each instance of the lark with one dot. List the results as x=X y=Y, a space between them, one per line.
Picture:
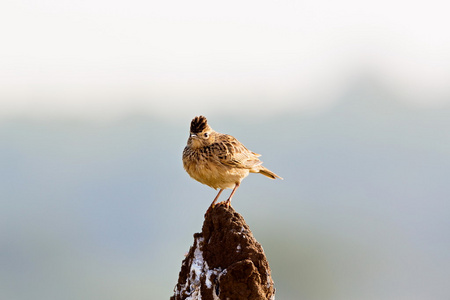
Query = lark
x=219 y=160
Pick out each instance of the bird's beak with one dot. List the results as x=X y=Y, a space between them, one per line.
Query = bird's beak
x=193 y=135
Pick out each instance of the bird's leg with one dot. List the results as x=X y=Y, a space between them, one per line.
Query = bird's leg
x=228 y=203
x=214 y=202
x=217 y=197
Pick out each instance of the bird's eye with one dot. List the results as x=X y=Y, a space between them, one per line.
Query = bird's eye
x=206 y=135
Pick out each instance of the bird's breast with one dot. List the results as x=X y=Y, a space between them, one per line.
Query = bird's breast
x=210 y=171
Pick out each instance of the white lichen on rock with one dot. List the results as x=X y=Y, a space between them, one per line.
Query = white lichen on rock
x=199 y=269
x=195 y=272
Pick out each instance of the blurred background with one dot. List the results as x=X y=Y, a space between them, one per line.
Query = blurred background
x=349 y=101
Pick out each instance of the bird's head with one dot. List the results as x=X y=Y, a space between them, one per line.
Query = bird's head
x=201 y=134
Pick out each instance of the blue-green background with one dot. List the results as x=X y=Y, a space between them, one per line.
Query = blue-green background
x=104 y=210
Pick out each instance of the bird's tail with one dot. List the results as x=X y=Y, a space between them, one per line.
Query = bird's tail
x=268 y=173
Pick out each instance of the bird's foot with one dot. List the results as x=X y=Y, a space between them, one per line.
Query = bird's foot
x=228 y=203
x=211 y=207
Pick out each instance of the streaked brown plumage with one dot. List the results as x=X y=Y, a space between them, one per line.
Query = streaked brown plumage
x=219 y=160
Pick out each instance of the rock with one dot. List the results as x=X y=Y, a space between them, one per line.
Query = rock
x=225 y=262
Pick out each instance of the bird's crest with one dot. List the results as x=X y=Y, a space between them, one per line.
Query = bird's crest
x=199 y=124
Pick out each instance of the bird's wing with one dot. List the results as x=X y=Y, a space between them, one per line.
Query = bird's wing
x=229 y=151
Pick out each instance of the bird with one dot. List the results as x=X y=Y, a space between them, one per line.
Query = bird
x=219 y=160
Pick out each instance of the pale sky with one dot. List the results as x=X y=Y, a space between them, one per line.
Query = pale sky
x=98 y=57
